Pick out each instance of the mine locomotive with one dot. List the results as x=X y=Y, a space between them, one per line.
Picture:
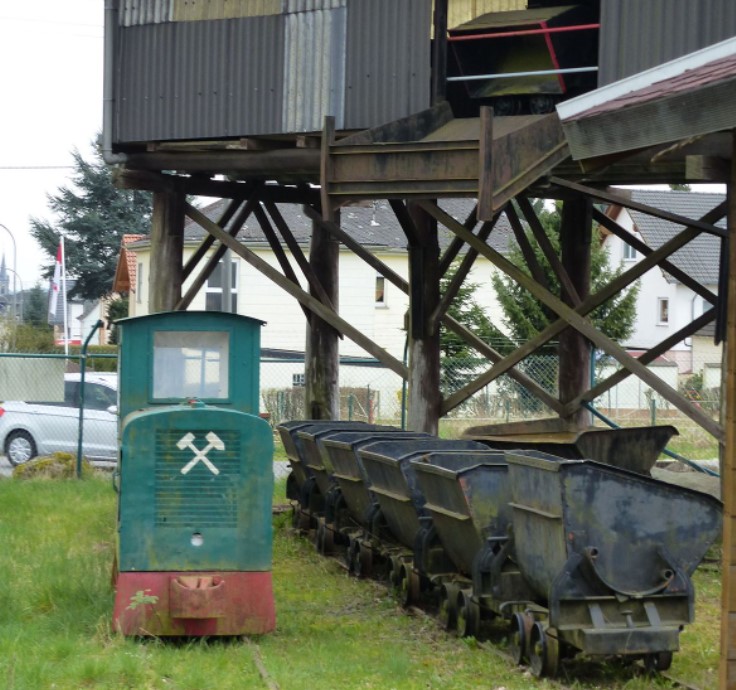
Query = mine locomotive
x=195 y=478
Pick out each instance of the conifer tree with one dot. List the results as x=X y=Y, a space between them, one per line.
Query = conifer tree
x=93 y=215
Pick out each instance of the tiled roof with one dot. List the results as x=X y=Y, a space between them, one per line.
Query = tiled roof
x=125 y=272
x=373 y=225
x=698 y=258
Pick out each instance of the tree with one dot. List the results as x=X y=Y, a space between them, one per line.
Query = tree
x=459 y=361
x=116 y=309
x=93 y=215
x=36 y=307
x=525 y=316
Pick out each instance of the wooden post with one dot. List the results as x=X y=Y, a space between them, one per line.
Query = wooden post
x=439 y=52
x=574 y=349
x=322 y=357
x=728 y=477
x=424 y=342
x=167 y=248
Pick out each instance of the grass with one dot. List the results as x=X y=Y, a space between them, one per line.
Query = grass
x=333 y=631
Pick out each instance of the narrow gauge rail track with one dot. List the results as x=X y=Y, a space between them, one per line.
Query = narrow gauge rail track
x=430 y=611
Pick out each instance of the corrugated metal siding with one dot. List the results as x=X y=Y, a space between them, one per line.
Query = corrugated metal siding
x=198 y=10
x=193 y=80
x=366 y=62
x=136 y=12
x=314 y=69
x=256 y=85
x=461 y=11
x=291 y=6
x=388 y=60
x=638 y=35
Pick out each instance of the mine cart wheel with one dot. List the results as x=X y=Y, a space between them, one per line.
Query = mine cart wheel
x=544 y=654
x=448 y=606
x=660 y=661
x=324 y=540
x=351 y=556
x=394 y=573
x=305 y=521
x=521 y=627
x=468 y=615
x=409 y=586
x=364 y=561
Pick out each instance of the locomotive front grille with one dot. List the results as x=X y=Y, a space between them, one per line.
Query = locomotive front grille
x=196 y=478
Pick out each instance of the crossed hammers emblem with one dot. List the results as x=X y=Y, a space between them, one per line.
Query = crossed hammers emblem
x=213 y=441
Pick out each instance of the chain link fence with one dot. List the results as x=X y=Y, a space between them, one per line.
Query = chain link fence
x=45 y=407
x=49 y=385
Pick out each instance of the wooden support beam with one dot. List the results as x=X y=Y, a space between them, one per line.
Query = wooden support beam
x=469 y=337
x=167 y=249
x=527 y=250
x=457 y=244
x=209 y=267
x=462 y=273
x=485 y=349
x=321 y=352
x=279 y=252
x=302 y=296
x=569 y=317
x=424 y=342
x=296 y=251
x=712 y=217
x=548 y=250
x=649 y=356
x=208 y=241
x=727 y=669
x=358 y=249
x=620 y=200
x=439 y=52
x=573 y=350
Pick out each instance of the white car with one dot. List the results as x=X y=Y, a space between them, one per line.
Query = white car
x=28 y=429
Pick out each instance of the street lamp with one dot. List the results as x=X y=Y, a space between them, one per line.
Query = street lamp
x=15 y=299
x=15 y=267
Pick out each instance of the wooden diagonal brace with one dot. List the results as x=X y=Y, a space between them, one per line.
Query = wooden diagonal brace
x=574 y=318
x=295 y=291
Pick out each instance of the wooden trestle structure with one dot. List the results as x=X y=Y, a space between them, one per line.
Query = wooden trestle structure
x=414 y=163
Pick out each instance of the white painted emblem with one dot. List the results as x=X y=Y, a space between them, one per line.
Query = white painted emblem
x=213 y=442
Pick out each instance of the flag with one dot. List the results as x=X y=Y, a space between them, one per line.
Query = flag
x=55 y=284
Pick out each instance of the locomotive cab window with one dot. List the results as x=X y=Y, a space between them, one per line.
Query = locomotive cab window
x=191 y=364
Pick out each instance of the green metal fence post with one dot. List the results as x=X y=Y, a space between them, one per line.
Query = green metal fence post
x=82 y=372
x=653 y=410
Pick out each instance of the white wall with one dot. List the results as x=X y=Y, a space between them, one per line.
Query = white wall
x=285 y=321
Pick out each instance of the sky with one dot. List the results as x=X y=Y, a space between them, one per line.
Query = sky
x=51 y=61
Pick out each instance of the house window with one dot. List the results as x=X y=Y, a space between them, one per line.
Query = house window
x=139 y=284
x=663 y=310
x=380 y=291
x=297 y=380
x=629 y=252
x=213 y=290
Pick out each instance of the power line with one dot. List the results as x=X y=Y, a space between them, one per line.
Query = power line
x=36 y=167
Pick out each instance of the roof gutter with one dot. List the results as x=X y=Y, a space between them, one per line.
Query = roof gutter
x=108 y=99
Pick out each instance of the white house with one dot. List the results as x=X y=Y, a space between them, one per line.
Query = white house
x=664 y=304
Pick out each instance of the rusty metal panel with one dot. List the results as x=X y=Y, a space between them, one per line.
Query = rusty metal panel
x=193 y=80
x=314 y=67
x=199 y=10
x=461 y=11
x=388 y=60
x=135 y=12
x=637 y=35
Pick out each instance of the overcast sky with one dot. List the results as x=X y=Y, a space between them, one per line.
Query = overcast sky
x=51 y=55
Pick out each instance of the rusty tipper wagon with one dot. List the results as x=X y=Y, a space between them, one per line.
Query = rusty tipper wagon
x=195 y=479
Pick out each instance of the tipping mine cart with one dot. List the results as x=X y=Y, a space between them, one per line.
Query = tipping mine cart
x=609 y=554
x=195 y=478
